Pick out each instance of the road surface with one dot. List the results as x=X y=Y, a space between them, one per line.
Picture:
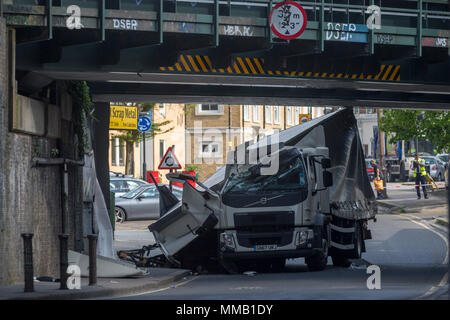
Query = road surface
x=411 y=253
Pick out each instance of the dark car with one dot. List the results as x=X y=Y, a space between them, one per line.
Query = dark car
x=141 y=203
x=369 y=168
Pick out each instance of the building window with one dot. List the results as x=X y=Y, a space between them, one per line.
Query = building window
x=162 y=149
x=246 y=113
x=117 y=152
x=297 y=115
x=276 y=115
x=356 y=110
x=268 y=114
x=289 y=115
x=209 y=109
x=162 y=110
x=121 y=152
x=369 y=110
x=256 y=117
x=210 y=149
x=113 y=152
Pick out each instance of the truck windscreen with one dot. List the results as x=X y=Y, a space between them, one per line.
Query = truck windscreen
x=291 y=176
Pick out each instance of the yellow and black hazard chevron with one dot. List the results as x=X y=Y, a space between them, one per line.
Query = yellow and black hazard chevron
x=255 y=66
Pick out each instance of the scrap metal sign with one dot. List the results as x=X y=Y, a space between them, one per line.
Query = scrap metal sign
x=288 y=20
x=124 y=118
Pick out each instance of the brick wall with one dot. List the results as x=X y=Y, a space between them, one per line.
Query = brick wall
x=3 y=103
x=30 y=197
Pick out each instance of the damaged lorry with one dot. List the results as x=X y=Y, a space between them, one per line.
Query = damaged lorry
x=303 y=192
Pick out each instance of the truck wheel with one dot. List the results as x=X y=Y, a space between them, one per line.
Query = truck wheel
x=388 y=177
x=403 y=173
x=356 y=253
x=318 y=261
x=340 y=261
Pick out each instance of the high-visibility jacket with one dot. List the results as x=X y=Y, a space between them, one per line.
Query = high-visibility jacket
x=423 y=171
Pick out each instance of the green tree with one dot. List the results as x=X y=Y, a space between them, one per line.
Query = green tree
x=130 y=137
x=410 y=124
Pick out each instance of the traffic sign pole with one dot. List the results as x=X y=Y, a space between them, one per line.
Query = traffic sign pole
x=170 y=182
x=144 y=164
x=144 y=124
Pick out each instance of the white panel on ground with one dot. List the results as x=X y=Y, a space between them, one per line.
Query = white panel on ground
x=106 y=267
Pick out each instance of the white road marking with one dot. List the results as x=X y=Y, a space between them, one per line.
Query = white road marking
x=444 y=279
x=161 y=289
x=411 y=218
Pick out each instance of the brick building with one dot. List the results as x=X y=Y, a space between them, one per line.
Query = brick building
x=213 y=129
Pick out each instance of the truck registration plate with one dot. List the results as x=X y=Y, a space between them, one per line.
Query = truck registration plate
x=264 y=247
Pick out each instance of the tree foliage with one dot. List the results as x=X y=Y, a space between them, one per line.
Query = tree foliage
x=82 y=109
x=410 y=124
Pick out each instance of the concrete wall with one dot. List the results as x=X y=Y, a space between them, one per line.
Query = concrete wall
x=30 y=197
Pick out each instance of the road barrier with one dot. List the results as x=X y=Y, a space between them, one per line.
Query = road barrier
x=439 y=185
x=92 y=259
x=63 y=260
x=28 y=261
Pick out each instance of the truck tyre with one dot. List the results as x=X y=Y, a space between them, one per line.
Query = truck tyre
x=318 y=261
x=340 y=261
x=358 y=243
x=388 y=177
x=403 y=173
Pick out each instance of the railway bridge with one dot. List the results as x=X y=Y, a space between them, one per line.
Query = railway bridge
x=225 y=51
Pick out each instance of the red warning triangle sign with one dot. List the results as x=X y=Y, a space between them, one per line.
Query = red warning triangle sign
x=169 y=161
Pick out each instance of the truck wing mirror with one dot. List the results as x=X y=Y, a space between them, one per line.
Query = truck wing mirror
x=326 y=163
x=327 y=179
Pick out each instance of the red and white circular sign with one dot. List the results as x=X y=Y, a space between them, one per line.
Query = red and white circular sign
x=288 y=20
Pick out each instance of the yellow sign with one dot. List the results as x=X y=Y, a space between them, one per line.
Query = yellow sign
x=123 y=118
x=304 y=118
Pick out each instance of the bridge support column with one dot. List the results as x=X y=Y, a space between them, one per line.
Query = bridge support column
x=101 y=147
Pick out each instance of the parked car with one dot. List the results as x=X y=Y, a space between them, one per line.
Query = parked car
x=141 y=203
x=436 y=167
x=121 y=184
x=369 y=169
x=444 y=158
x=446 y=175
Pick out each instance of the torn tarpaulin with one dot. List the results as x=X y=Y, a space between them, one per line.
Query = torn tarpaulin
x=351 y=194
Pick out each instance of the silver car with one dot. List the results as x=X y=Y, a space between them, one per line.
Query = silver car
x=141 y=203
x=437 y=167
x=120 y=185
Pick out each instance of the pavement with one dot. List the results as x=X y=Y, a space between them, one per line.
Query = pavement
x=105 y=287
x=128 y=235
x=402 y=198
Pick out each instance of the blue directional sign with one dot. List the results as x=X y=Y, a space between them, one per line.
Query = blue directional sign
x=144 y=124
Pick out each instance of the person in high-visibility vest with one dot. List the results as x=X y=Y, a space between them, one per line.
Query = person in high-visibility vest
x=419 y=174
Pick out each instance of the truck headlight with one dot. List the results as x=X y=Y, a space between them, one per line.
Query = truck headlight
x=303 y=236
x=227 y=241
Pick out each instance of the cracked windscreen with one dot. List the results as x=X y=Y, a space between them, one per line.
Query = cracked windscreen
x=291 y=176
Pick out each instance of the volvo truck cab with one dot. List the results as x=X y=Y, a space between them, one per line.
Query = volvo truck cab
x=268 y=218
